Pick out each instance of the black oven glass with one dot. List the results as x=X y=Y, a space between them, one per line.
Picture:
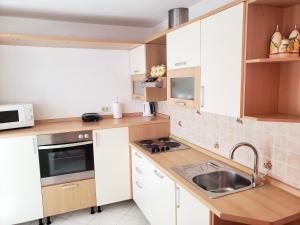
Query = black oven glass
x=61 y=161
x=9 y=116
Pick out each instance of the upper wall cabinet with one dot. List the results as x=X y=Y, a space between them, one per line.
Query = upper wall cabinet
x=138 y=60
x=221 y=61
x=183 y=47
x=146 y=56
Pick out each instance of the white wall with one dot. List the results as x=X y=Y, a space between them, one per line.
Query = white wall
x=65 y=82
x=17 y=25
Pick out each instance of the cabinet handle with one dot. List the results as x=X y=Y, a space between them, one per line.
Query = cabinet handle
x=177 y=197
x=96 y=139
x=183 y=63
x=34 y=143
x=158 y=174
x=202 y=96
x=138 y=185
x=69 y=186
x=136 y=71
x=137 y=155
x=138 y=170
x=180 y=103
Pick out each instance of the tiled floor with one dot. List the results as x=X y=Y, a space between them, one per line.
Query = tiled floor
x=123 y=213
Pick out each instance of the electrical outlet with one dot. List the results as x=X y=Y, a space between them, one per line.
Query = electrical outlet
x=106 y=109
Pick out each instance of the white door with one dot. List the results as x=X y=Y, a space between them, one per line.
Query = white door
x=190 y=211
x=221 y=61
x=112 y=169
x=20 y=188
x=138 y=60
x=183 y=47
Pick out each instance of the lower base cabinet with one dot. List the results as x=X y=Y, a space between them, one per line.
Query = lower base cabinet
x=153 y=191
x=62 y=198
x=189 y=210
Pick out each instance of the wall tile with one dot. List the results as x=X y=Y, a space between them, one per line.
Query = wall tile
x=278 y=142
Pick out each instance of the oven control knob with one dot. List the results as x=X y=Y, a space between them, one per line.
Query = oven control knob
x=80 y=136
x=86 y=135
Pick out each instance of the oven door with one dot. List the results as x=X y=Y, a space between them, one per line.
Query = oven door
x=66 y=162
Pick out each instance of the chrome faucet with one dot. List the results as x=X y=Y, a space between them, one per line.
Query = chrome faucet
x=255 y=167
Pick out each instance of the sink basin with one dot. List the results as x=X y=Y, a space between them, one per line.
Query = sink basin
x=215 y=179
x=221 y=181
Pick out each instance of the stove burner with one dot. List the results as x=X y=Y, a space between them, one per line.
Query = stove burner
x=146 y=142
x=164 y=139
x=172 y=144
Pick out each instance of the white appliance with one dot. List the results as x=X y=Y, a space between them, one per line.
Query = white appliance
x=149 y=109
x=16 y=116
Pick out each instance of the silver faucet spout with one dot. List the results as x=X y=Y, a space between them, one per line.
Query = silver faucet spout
x=255 y=166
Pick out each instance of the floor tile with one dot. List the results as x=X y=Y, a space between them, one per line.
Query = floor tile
x=127 y=220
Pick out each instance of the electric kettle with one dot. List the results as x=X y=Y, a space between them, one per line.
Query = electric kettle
x=149 y=109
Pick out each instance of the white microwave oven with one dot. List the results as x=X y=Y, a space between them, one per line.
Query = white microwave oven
x=16 y=116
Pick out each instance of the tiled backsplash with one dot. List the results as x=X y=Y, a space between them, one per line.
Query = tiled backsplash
x=278 y=142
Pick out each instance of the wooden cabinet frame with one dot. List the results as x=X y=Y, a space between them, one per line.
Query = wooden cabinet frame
x=184 y=73
x=150 y=94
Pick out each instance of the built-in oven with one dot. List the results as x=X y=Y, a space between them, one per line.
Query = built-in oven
x=66 y=157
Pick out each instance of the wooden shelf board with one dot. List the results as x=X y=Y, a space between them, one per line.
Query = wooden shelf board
x=276 y=3
x=273 y=60
x=276 y=118
x=62 y=42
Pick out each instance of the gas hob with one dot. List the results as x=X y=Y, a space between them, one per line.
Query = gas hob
x=161 y=145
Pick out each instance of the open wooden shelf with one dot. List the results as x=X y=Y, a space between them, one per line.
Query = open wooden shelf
x=273 y=60
x=271 y=85
x=62 y=42
x=275 y=118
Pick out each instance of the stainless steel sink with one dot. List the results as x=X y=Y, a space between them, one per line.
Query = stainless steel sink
x=215 y=179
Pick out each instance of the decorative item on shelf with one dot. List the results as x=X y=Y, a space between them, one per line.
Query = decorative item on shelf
x=275 y=43
x=284 y=49
x=158 y=71
x=294 y=39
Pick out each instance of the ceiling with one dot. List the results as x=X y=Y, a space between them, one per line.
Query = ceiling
x=141 y=13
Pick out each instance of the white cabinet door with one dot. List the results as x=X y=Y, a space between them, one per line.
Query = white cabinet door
x=183 y=47
x=20 y=188
x=112 y=169
x=190 y=211
x=153 y=191
x=138 y=60
x=221 y=61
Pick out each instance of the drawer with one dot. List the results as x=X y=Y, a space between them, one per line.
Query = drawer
x=62 y=198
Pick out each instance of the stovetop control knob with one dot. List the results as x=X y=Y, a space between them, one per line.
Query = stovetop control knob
x=86 y=135
x=80 y=136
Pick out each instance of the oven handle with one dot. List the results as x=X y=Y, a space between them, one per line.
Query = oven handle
x=65 y=145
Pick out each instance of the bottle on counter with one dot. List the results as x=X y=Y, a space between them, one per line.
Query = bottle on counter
x=117 y=110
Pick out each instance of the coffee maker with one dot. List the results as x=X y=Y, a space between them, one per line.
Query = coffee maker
x=149 y=109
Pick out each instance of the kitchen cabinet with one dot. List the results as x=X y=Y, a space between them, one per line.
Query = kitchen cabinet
x=183 y=47
x=189 y=209
x=69 y=197
x=148 y=94
x=153 y=191
x=221 y=62
x=112 y=169
x=144 y=57
x=138 y=60
x=20 y=189
x=183 y=87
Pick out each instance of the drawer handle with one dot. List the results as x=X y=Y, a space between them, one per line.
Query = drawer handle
x=177 y=197
x=180 y=63
x=136 y=71
x=138 y=170
x=138 y=185
x=158 y=174
x=69 y=186
x=180 y=103
x=137 y=155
